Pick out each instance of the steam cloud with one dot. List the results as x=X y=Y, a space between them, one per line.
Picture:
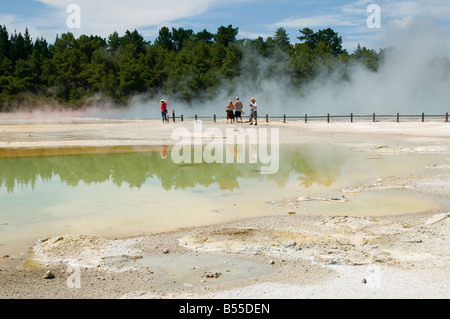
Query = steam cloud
x=413 y=78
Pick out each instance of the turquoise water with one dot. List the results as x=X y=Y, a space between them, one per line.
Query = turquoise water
x=137 y=193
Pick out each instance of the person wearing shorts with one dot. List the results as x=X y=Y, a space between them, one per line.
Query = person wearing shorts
x=238 y=109
x=253 y=112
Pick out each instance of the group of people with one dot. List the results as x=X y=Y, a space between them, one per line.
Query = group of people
x=235 y=111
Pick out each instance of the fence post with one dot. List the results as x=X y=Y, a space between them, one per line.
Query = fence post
x=423 y=117
x=173 y=116
x=374 y=117
x=267 y=118
x=351 y=117
x=214 y=118
x=328 y=117
x=182 y=118
x=284 y=118
x=446 y=117
x=195 y=117
x=398 y=117
x=306 y=118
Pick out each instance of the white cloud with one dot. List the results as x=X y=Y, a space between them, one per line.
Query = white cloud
x=7 y=18
x=395 y=15
x=403 y=23
x=436 y=9
x=253 y=35
x=102 y=17
x=15 y=23
x=358 y=7
x=317 y=21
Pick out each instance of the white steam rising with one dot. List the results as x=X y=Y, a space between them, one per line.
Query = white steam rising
x=413 y=78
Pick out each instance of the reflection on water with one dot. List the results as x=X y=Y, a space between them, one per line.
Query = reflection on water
x=130 y=191
x=125 y=192
x=309 y=164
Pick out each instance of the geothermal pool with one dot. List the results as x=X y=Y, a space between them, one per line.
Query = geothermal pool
x=119 y=192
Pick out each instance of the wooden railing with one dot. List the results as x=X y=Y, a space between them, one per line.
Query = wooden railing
x=352 y=117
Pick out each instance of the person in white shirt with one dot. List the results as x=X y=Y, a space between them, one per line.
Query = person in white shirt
x=253 y=112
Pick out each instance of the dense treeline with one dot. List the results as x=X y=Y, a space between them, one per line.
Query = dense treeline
x=179 y=63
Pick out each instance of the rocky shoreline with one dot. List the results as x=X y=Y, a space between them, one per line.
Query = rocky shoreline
x=272 y=257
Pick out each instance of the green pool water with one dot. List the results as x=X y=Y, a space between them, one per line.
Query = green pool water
x=128 y=193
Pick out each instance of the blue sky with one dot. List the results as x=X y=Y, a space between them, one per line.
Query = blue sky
x=254 y=18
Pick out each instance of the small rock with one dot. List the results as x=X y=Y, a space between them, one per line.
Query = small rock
x=291 y=212
x=364 y=281
x=211 y=274
x=166 y=251
x=289 y=244
x=49 y=275
x=5 y=257
x=272 y=262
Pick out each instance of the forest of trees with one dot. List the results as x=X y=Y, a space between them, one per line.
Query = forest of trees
x=73 y=71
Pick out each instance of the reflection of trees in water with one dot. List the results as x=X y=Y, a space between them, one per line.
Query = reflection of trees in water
x=311 y=164
x=315 y=164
